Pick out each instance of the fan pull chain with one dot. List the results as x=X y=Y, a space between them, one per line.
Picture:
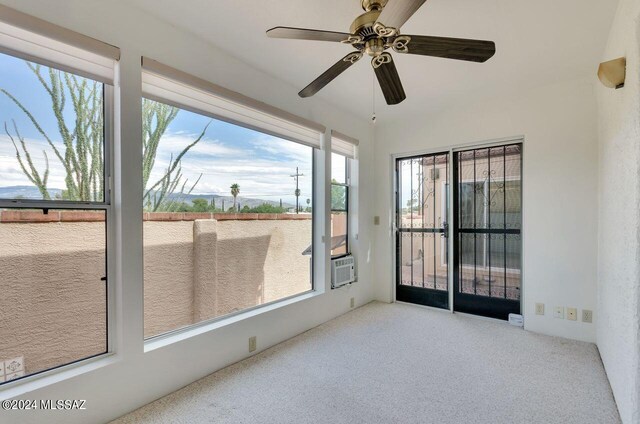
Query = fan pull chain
x=373 y=98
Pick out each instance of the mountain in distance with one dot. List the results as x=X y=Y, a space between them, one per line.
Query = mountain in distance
x=228 y=200
x=26 y=192
x=31 y=192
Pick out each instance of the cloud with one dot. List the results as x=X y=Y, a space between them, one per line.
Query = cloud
x=261 y=164
x=262 y=167
x=10 y=172
x=175 y=142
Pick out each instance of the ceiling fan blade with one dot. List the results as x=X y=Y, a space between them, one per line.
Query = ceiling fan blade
x=388 y=79
x=307 y=34
x=450 y=48
x=330 y=74
x=395 y=14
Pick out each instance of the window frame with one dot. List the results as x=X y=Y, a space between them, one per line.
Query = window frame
x=347 y=186
x=106 y=205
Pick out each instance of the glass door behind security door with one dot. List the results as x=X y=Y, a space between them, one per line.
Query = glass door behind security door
x=487 y=226
x=421 y=230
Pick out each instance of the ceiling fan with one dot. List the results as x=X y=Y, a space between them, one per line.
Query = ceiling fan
x=377 y=30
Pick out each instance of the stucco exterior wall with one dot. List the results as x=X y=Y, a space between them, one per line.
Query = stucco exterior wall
x=203 y=269
x=618 y=326
x=52 y=298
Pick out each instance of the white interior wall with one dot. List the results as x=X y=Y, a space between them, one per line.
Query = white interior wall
x=619 y=236
x=132 y=378
x=558 y=123
x=560 y=208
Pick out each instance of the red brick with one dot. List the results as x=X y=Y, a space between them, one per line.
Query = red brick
x=82 y=216
x=29 y=216
x=166 y=216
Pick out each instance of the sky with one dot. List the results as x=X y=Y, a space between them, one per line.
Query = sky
x=261 y=164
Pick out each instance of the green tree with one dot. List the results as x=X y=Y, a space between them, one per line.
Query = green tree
x=235 y=190
x=338 y=196
x=200 y=205
x=267 y=208
x=81 y=152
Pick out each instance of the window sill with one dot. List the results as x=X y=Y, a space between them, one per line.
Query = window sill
x=55 y=375
x=175 y=336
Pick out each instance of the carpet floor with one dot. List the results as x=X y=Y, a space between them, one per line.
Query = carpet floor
x=400 y=363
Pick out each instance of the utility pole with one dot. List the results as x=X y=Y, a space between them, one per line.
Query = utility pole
x=297 y=175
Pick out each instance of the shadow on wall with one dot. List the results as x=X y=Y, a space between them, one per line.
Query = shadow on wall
x=52 y=306
x=241 y=276
x=203 y=269
x=53 y=301
x=189 y=282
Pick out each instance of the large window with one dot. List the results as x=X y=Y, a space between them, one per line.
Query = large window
x=228 y=218
x=54 y=205
x=339 y=204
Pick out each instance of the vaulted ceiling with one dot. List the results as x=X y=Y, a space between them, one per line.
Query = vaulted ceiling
x=537 y=42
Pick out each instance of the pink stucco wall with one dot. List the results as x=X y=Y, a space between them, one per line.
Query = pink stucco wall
x=52 y=298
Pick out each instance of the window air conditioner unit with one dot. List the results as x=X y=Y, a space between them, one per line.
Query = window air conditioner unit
x=342 y=271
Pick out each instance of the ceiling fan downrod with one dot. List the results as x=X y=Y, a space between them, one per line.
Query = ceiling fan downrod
x=369 y=5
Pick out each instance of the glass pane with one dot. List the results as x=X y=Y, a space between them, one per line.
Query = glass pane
x=513 y=190
x=441 y=265
x=228 y=218
x=338 y=198
x=481 y=194
x=53 y=303
x=482 y=277
x=514 y=265
x=467 y=252
x=496 y=188
x=415 y=192
x=52 y=143
x=466 y=188
x=338 y=233
x=410 y=259
x=489 y=255
x=338 y=168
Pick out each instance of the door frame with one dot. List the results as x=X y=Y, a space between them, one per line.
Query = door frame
x=451 y=149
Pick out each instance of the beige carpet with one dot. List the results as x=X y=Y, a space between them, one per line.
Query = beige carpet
x=401 y=364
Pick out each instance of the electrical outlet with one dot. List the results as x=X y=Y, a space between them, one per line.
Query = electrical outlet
x=353 y=302
x=587 y=315
x=253 y=343
x=539 y=308
x=558 y=312
x=572 y=314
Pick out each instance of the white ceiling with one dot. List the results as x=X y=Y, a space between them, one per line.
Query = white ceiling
x=537 y=42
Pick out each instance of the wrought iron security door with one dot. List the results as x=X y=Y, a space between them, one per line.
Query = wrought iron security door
x=422 y=193
x=487 y=230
